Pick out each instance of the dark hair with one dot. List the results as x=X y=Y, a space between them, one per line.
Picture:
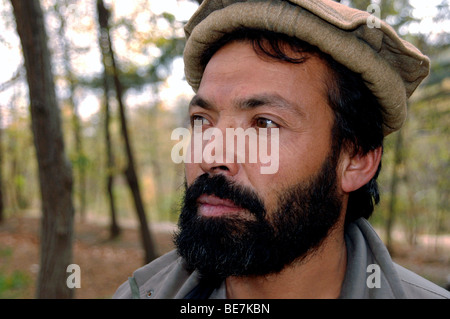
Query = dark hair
x=358 y=116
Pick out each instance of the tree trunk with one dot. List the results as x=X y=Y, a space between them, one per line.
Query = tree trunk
x=55 y=176
x=394 y=186
x=110 y=164
x=76 y=122
x=2 y=205
x=114 y=229
x=130 y=171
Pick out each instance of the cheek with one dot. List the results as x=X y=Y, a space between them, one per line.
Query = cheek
x=302 y=155
x=299 y=159
x=266 y=186
x=192 y=171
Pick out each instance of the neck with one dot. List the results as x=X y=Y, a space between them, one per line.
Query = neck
x=317 y=276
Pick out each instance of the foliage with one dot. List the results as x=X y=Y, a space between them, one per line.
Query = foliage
x=12 y=284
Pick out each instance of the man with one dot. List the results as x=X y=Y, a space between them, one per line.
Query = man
x=330 y=87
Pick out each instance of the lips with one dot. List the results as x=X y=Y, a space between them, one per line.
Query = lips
x=212 y=206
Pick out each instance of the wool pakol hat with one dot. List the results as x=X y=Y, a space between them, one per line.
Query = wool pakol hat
x=391 y=67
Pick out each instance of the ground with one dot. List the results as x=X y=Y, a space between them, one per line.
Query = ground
x=105 y=264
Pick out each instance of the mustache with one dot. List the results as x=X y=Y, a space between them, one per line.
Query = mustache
x=223 y=188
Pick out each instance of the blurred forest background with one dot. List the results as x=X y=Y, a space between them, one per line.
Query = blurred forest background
x=116 y=71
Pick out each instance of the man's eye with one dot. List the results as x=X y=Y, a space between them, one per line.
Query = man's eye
x=198 y=120
x=265 y=123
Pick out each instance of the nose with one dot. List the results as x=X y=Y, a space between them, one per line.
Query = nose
x=227 y=169
x=217 y=157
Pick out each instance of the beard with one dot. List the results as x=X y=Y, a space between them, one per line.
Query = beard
x=236 y=245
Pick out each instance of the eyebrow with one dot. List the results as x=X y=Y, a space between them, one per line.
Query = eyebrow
x=252 y=102
x=201 y=102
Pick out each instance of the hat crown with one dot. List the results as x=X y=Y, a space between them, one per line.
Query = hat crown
x=391 y=67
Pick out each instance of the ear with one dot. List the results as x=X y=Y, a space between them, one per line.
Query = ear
x=358 y=170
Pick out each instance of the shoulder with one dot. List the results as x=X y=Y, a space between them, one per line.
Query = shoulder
x=162 y=264
x=365 y=247
x=165 y=277
x=417 y=287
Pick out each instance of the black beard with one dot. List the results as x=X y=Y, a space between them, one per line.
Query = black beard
x=238 y=246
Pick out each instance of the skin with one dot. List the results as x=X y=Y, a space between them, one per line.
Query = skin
x=242 y=89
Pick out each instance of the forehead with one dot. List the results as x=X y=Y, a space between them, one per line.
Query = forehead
x=236 y=71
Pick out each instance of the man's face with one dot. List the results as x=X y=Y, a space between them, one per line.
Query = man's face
x=236 y=220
